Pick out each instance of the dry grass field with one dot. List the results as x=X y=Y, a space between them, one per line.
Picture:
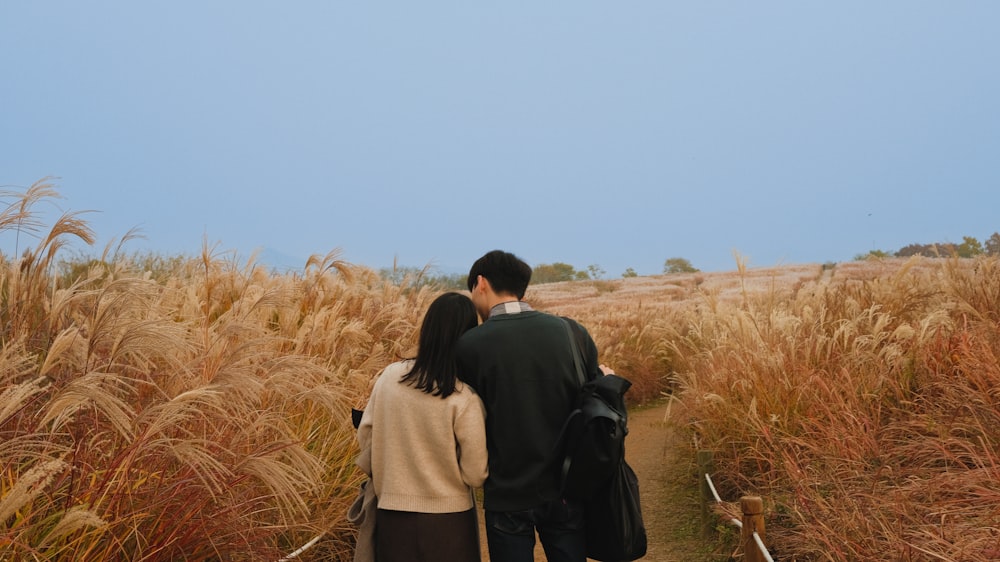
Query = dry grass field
x=198 y=409
x=861 y=404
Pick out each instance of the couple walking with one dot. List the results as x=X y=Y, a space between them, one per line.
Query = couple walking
x=482 y=405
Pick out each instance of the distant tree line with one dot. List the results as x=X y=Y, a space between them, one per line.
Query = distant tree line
x=559 y=271
x=969 y=247
x=556 y=272
x=678 y=265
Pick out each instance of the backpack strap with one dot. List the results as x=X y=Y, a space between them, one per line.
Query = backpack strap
x=577 y=361
x=582 y=379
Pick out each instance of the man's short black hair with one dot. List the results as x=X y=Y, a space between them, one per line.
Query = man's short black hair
x=507 y=273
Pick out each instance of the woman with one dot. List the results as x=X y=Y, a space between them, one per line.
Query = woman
x=423 y=443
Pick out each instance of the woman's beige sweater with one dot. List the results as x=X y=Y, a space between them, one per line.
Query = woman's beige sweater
x=424 y=453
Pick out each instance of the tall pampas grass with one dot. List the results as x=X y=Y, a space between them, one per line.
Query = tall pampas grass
x=197 y=414
x=198 y=408
x=863 y=407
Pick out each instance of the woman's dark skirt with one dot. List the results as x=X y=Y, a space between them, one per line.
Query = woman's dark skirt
x=403 y=536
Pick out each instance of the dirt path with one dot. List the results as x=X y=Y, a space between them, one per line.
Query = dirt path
x=668 y=490
x=667 y=487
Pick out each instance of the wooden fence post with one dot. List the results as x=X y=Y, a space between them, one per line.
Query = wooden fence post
x=705 y=468
x=753 y=520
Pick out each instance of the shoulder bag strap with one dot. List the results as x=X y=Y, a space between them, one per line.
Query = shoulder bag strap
x=567 y=460
x=577 y=363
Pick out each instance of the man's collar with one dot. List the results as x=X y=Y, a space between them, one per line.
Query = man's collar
x=510 y=307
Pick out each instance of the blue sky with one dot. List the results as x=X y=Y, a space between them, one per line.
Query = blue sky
x=611 y=133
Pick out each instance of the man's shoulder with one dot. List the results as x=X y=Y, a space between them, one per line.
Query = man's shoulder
x=575 y=325
x=562 y=321
x=532 y=315
x=470 y=340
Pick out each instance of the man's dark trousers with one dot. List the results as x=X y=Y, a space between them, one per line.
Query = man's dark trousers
x=561 y=528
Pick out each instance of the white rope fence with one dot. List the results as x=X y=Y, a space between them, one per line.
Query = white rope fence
x=738 y=523
x=302 y=549
x=715 y=494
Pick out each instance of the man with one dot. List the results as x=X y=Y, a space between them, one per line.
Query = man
x=520 y=361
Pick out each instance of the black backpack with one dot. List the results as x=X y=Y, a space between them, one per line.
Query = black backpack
x=593 y=436
x=594 y=469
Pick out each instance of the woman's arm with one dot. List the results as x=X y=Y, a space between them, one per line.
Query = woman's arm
x=364 y=460
x=470 y=434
